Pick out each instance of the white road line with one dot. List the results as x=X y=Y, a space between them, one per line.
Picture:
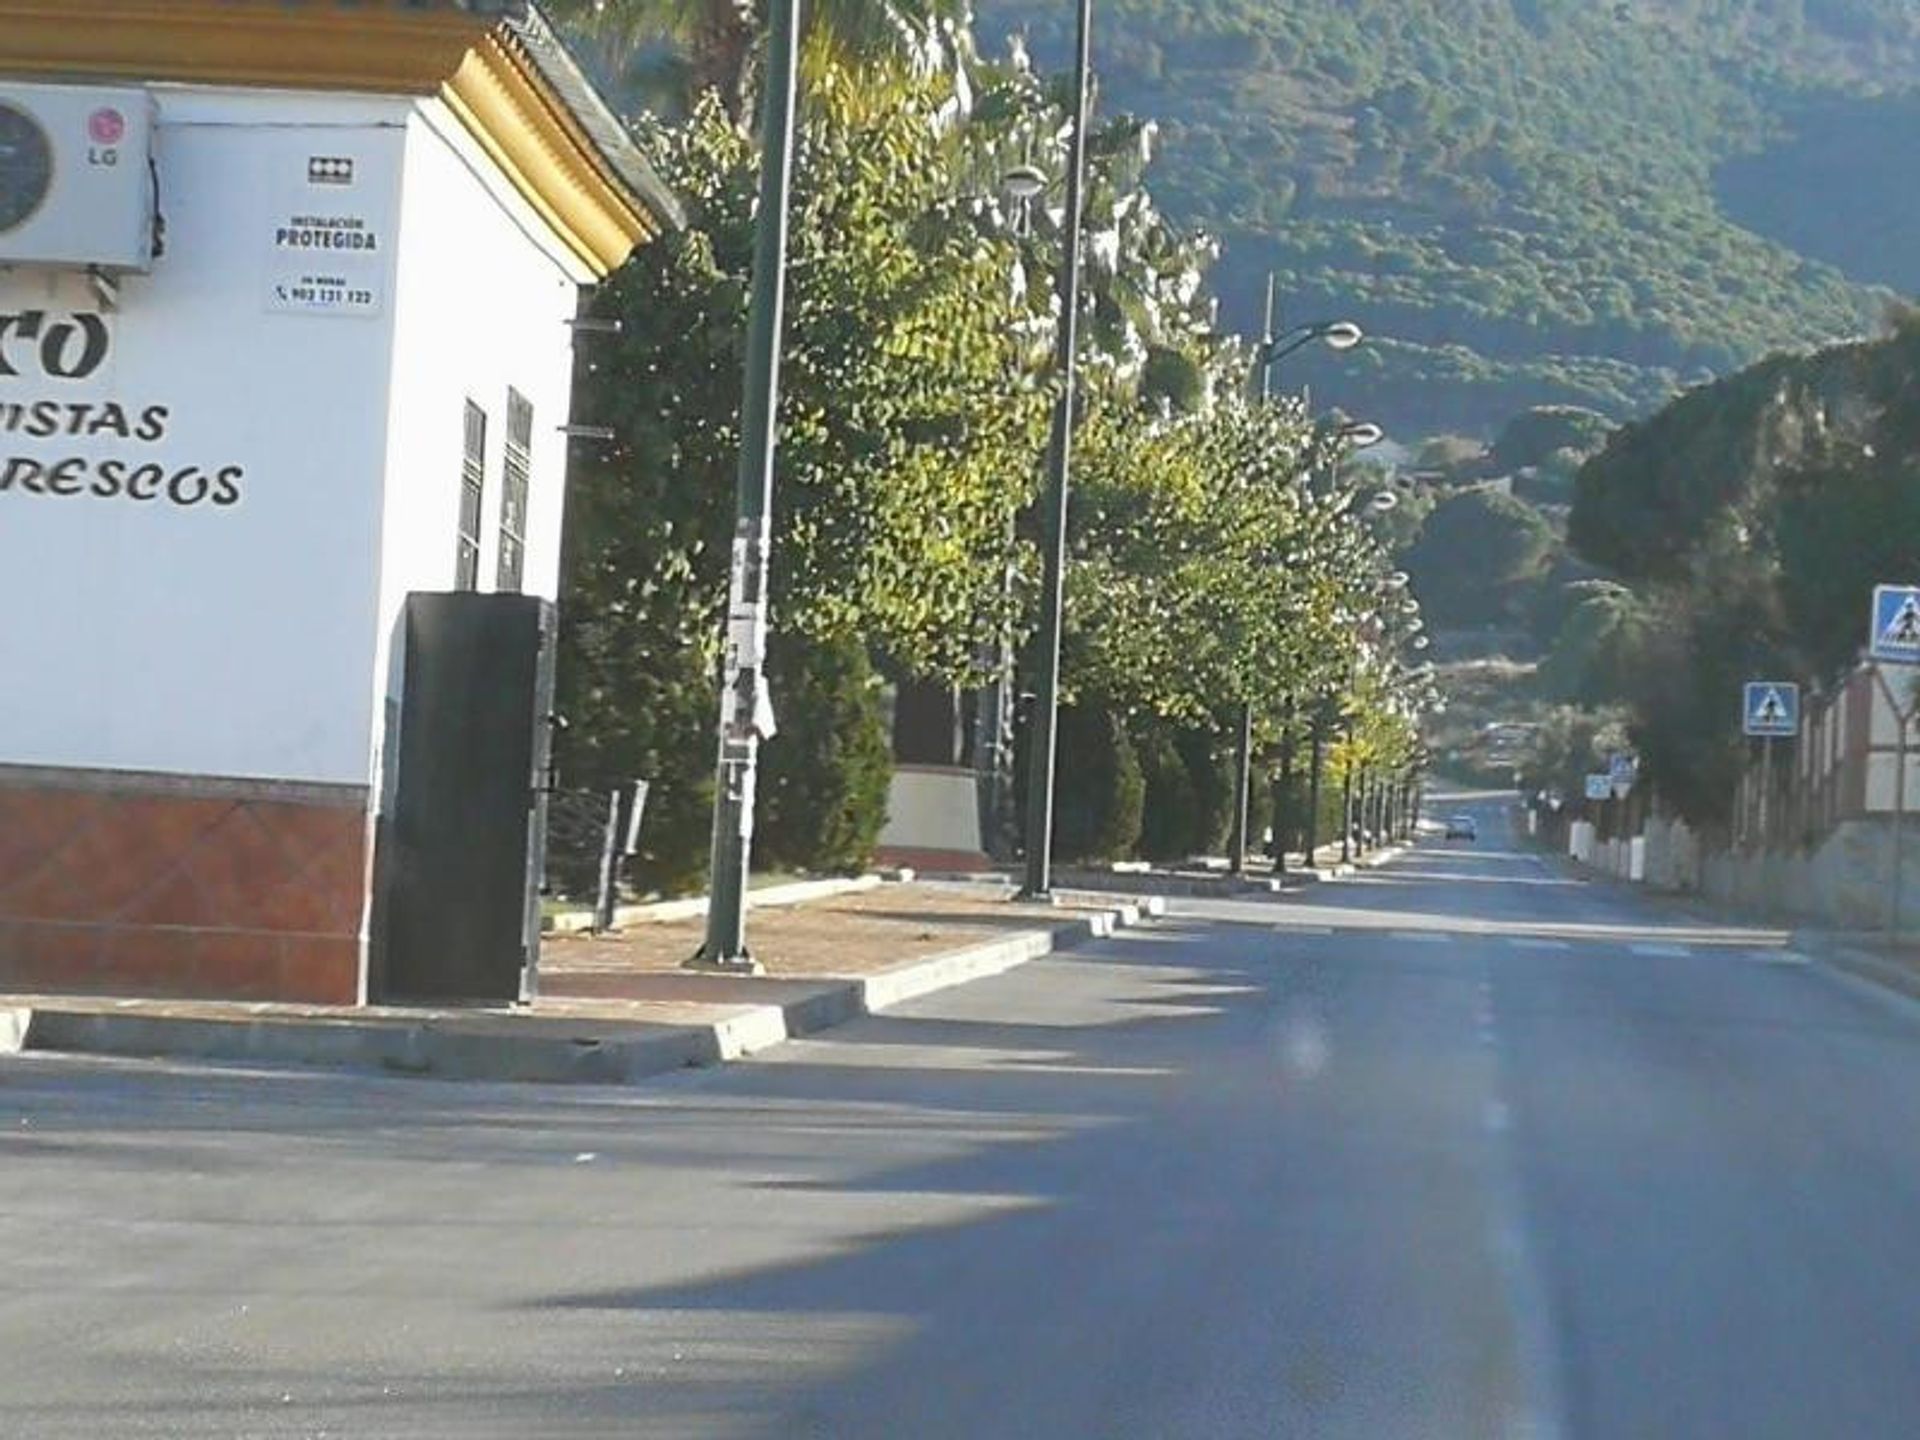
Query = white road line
x=1537 y=1409
x=1662 y=952
x=1532 y=942
x=1319 y=930
x=1422 y=937
x=1780 y=957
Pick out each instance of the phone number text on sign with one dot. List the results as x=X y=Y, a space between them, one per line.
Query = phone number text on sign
x=302 y=293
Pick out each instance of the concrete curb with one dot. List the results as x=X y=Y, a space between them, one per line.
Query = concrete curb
x=799 y=892
x=458 y=1049
x=1861 y=965
x=13 y=1029
x=1164 y=883
x=1383 y=856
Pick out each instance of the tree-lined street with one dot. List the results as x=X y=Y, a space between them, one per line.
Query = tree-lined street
x=1464 y=1145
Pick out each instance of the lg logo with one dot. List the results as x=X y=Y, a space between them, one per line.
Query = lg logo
x=61 y=347
x=106 y=128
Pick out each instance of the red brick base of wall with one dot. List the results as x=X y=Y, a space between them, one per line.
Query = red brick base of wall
x=933 y=862
x=132 y=884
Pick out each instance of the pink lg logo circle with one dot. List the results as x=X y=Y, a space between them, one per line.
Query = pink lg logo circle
x=107 y=127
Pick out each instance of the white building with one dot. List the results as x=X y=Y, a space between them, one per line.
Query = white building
x=286 y=293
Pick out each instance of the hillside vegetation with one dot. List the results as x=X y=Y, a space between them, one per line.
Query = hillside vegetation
x=1746 y=524
x=1529 y=201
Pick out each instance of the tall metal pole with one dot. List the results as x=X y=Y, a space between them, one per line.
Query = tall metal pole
x=1243 y=757
x=1283 y=793
x=1242 y=785
x=1318 y=766
x=1902 y=716
x=1766 y=795
x=1346 y=801
x=1899 y=829
x=745 y=711
x=1060 y=460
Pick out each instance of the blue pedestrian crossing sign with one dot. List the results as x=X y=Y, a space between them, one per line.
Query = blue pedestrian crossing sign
x=1896 y=624
x=1772 y=708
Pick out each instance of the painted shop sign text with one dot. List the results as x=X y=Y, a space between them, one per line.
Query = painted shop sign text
x=42 y=346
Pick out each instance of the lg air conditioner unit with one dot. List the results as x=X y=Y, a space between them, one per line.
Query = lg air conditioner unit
x=76 y=177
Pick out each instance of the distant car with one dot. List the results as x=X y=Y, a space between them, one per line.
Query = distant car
x=1461 y=827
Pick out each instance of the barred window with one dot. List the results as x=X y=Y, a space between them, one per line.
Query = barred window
x=518 y=474
x=473 y=482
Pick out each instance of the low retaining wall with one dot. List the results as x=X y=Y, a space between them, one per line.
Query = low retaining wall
x=1845 y=882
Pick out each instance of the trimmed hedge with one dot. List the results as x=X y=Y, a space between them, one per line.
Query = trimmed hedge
x=824 y=775
x=1100 y=790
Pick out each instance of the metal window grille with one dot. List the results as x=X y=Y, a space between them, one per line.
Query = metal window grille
x=513 y=498
x=473 y=482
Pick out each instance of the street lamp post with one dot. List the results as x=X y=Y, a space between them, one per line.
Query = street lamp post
x=1335 y=335
x=745 y=711
x=1346 y=800
x=1283 y=791
x=1046 y=710
x=995 y=725
x=1318 y=764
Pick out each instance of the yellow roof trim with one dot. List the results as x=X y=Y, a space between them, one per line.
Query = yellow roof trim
x=539 y=148
x=299 y=47
x=471 y=61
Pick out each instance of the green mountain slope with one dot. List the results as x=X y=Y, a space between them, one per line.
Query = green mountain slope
x=1529 y=201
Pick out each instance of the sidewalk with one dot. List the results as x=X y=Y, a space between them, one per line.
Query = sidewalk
x=1209 y=876
x=1867 y=956
x=615 y=1008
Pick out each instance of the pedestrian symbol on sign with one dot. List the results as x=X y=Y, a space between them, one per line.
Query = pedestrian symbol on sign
x=1772 y=708
x=1896 y=624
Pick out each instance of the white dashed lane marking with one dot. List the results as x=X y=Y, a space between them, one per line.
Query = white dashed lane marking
x=1422 y=937
x=1662 y=952
x=1534 y=942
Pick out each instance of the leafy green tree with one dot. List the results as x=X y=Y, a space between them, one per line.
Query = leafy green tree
x=675 y=53
x=1590 y=657
x=1205 y=572
x=1849 y=518
x=1539 y=436
x=1149 y=324
x=1475 y=548
x=907 y=449
x=1458 y=456
x=1777 y=498
x=1570 y=744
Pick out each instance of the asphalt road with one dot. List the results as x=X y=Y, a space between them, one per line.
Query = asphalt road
x=1464 y=1147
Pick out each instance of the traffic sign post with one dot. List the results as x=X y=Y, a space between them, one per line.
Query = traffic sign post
x=1599 y=787
x=1623 y=772
x=1902 y=718
x=1895 y=638
x=1769 y=710
x=1896 y=624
